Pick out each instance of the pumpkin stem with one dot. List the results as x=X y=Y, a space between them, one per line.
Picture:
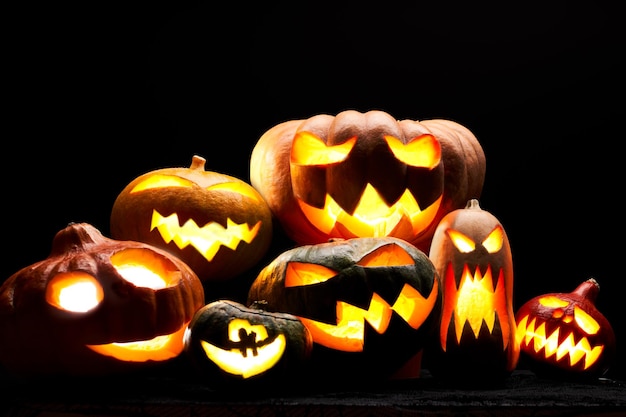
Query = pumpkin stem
x=197 y=162
x=76 y=236
x=588 y=290
x=473 y=204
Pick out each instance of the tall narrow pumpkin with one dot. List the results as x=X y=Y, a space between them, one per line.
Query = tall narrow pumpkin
x=471 y=252
x=366 y=175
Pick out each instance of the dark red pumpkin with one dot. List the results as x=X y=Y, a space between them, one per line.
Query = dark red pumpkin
x=371 y=304
x=96 y=306
x=366 y=175
x=564 y=334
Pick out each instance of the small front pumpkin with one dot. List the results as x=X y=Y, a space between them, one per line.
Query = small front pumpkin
x=366 y=175
x=96 y=306
x=471 y=252
x=218 y=224
x=564 y=334
x=229 y=343
x=371 y=304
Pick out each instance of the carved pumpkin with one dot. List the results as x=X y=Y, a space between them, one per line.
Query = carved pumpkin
x=229 y=343
x=471 y=252
x=366 y=175
x=564 y=334
x=217 y=224
x=94 y=306
x=370 y=303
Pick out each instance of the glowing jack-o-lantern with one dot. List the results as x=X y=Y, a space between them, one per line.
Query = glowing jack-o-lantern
x=228 y=343
x=564 y=334
x=366 y=175
x=217 y=224
x=370 y=303
x=96 y=305
x=471 y=252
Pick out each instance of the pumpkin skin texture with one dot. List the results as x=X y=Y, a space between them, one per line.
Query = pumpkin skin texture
x=217 y=224
x=370 y=304
x=564 y=335
x=366 y=175
x=230 y=345
x=472 y=255
x=140 y=301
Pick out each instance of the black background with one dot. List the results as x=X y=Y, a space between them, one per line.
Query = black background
x=102 y=92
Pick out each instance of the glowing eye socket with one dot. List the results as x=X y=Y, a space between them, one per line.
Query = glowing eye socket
x=388 y=255
x=463 y=243
x=493 y=242
x=306 y=274
x=553 y=302
x=422 y=151
x=585 y=321
x=74 y=291
x=307 y=149
x=160 y=181
x=235 y=187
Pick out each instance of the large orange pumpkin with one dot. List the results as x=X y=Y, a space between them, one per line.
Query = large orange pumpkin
x=96 y=306
x=366 y=175
x=218 y=224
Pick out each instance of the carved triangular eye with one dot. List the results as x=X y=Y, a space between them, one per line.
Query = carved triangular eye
x=585 y=321
x=387 y=255
x=309 y=150
x=493 y=242
x=463 y=243
x=161 y=181
x=300 y=273
x=422 y=151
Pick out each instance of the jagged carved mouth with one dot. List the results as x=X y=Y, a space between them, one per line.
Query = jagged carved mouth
x=474 y=303
x=207 y=239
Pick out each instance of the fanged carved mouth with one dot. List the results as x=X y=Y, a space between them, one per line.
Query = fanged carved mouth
x=373 y=217
x=461 y=302
x=534 y=336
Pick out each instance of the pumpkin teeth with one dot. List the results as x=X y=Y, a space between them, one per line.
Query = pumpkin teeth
x=348 y=333
x=206 y=239
x=372 y=217
x=533 y=336
x=474 y=286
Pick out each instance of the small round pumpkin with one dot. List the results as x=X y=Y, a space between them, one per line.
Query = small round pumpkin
x=366 y=175
x=371 y=304
x=217 y=224
x=96 y=306
x=565 y=335
x=229 y=344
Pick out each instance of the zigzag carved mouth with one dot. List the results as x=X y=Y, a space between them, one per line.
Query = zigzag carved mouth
x=460 y=304
x=372 y=216
x=535 y=337
x=207 y=239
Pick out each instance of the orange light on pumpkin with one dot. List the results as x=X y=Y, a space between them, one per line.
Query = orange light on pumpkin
x=477 y=329
x=566 y=332
x=372 y=216
x=348 y=333
x=254 y=352
x=217 y=224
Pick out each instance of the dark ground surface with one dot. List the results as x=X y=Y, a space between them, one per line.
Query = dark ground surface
x=521 y=394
